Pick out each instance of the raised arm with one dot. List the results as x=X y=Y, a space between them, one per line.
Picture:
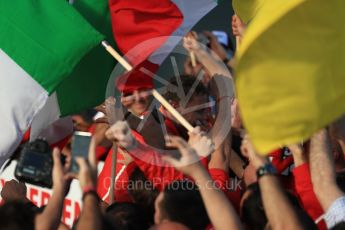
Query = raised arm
x=212 y=65
x=322 y=170
x=51 y=216
x=149 y=160
x=90 y=217
x=213 y=198
x=303 y=184
x=146 y=158
x=274 y=201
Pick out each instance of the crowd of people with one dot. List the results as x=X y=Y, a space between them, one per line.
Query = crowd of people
x=169 y=178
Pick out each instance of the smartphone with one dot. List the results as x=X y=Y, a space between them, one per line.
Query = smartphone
x=80 y=148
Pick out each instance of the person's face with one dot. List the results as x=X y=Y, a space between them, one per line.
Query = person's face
x=137 y=102
x=158 y=217
x=197 y=116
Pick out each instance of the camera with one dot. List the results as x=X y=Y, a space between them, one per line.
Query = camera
x=35 y=164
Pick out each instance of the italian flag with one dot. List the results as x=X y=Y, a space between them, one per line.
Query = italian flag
x=40 y=44
x=86 y=85
x=150 y=30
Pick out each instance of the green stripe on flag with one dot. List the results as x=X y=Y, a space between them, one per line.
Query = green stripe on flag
x=86 y=86
x=47 y=38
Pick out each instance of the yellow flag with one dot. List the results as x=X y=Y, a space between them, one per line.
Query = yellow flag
x=291 y=71
x=247 y=9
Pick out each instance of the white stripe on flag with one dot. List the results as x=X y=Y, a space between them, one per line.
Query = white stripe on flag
x=192 y=12
x=47 y=115
x=21 y=99
x=57 y=131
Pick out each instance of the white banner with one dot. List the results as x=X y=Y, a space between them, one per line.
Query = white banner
x=40 y=196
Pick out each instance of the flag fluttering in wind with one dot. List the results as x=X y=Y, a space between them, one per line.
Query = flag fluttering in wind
x=291 y=74
x=85 y=87
x=94 y=69
x=40 y=44
x=247 y=9
x=150 y=30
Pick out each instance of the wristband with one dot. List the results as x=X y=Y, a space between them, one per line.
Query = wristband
x=266 y=169
x=89 y=190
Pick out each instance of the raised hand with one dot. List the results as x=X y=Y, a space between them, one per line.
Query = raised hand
x=51 y=215
x=200 y=142
x=248 y=150
x=189 y=160
x=238 y=26
x=190 y=42
x=215 y=45
x=121 y=134
x=213 y=198
x=111 y=113
x=104 y=119
x=14 y=190
x=60 y=176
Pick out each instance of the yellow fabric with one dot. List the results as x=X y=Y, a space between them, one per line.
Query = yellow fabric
x=290 y=74
x=247 y=9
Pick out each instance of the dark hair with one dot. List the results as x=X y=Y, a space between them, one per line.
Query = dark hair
x=143 y=193
x=88 y=115
x=253 y=213
x=187 y=82
x=107 y=223
x=126 y=216
x=182 y=203
x=16 y=215
x=340 y=178
x=304 y=219
x=339 y=226
x=254 y=216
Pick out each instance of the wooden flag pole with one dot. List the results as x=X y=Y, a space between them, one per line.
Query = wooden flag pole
x=117 y=56
x=193 y=58
x=155 y=93
x=172 y=110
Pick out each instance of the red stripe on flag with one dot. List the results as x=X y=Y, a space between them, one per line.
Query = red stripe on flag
x=136 y=21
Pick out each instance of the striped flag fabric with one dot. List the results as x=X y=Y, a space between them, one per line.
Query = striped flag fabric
x=150 y=30
x=86 y=85
x=40 y=44
x=96 y=66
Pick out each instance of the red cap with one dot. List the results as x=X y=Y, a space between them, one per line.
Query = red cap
x=140 y=78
